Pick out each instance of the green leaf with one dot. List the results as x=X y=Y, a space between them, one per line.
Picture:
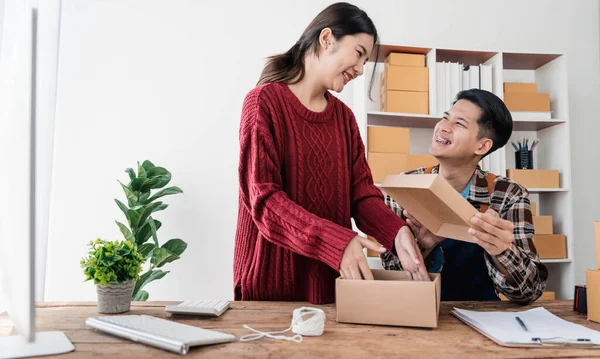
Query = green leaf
x=148 y=165
x=145 y=249
x=148 y=277
x=160 y=208
x=161 y=174
x=175 y=246
x=146 y=232
x=137 y=183
x=141 y=296
x=144 y=197
x=131 y=197
x=153 y=230
x=133 y=217
x=142 y=171
x=149 y=184
x=131 y=173
x=161 y=256
x=122 y=206
x=166 y=192
x=126 y=232
x=147 y=212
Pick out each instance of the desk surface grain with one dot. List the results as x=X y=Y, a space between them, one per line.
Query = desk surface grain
x=452 y=338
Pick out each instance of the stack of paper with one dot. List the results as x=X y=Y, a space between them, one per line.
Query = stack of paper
x=542 y=326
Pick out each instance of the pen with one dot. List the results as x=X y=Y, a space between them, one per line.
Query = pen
x=515 y=146
x=535 y=144
x=521 y=324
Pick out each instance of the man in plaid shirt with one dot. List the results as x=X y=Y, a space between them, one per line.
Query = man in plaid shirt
x=503 y=258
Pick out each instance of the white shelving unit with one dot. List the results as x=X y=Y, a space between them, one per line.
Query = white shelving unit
x=549 y=72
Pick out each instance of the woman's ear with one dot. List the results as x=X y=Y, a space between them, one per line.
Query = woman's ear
x=326 y=39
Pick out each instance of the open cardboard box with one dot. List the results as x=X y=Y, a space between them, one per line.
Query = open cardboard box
x=433 y=202
x=391 y=299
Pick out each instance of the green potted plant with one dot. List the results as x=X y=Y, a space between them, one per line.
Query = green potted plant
x=141 y=226
x=114 y=267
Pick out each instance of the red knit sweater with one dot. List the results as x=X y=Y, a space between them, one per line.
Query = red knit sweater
x=302 y=176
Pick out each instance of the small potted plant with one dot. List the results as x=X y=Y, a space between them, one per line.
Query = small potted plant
x=114 y=267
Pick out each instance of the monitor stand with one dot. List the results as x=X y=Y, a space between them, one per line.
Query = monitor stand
x=46 y=343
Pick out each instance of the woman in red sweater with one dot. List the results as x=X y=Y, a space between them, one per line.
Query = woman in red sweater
x=303 y=173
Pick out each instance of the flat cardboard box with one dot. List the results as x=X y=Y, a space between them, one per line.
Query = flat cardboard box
x=383 y=164
x=400 y=59
x=388 y=139
x=391 y=299
x=405 y=78
x=535 y=178
x=547 y=295
x=551 y=246
x=592 y=283
x=527 y=101
x=543 y=225
x=433 y=202
x=520 y=87
x=405 y=102
x=533 y=208
x=597 y=242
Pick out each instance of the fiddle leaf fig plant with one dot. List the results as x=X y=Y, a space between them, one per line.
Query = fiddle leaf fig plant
x=141 y=196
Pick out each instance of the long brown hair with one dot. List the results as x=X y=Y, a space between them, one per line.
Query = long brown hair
x=342 y=18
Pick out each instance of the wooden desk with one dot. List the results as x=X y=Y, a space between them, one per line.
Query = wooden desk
x=452 y=338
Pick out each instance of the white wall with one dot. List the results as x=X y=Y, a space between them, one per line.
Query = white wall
x=1 y=20
x=164 y=80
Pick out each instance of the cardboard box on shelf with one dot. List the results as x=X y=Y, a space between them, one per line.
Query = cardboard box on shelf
x=533 y=208
x=535 y=178
x=592 y=283
x=371 y=253
x=388 y=139
x=520 y=87
x=543 y=225
x=391 y=299
x=551 y=246
x=401 y=59
x=404 y=78
x=527 y=101
x=405 y=102
x=383 y=164
x=433 y=202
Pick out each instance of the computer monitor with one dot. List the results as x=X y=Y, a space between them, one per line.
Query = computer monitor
x=18 y=220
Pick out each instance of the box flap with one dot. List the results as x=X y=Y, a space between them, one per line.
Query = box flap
x=433 y=202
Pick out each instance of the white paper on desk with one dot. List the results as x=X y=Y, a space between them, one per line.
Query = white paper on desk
x=540 y=324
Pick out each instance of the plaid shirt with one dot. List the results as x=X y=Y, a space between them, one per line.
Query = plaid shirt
x=521 y=260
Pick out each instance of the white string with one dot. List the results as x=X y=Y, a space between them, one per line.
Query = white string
x=313 y=326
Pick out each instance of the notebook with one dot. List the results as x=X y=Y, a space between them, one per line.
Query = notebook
x=543 y=328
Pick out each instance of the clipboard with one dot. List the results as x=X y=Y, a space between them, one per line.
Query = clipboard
x=551 y=342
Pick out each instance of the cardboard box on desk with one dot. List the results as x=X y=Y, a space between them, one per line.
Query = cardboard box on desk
x=433 y=202
x=597 y=242
x=391 y=299
x=593 y=294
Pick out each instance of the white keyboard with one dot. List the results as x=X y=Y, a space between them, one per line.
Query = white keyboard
x=161 y=333
x=212 y=308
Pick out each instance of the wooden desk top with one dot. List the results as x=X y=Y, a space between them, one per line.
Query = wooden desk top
x=452 y=338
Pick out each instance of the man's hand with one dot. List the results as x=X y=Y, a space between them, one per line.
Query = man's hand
x=491 y=232
x=354 y=263
x=427 y=239
x=410 y=255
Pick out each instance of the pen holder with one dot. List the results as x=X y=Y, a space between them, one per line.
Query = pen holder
x=524 y=160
